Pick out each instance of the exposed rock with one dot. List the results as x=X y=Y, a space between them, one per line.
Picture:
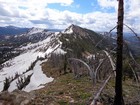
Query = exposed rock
x=16 y=98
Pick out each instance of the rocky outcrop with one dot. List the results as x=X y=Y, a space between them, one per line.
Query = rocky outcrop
x=16 y=98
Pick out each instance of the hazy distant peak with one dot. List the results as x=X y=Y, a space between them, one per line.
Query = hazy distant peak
x=35 y=30
x=10 y=26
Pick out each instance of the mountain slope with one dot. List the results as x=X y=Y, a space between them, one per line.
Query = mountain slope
x=31 y=53
x=47 y=64
x=74 y=41
x=8 y=44
x=81 y=40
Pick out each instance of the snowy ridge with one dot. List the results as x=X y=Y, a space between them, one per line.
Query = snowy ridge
x=21 y=63
x=69 y=30
x=35 y=30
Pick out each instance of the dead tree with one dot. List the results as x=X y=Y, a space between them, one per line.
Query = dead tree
x=118 y=82
x=91 y=72
x=105 y=37
x=135 y=75
x=111 y=60
x=94 y=102
x=98 y=67
x=133 y=31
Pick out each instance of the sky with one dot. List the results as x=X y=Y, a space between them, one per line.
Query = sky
x=98 y=15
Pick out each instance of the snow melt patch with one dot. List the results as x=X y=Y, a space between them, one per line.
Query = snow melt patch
x=59 y=51
x=38 y=78
x=22 y=62
x=18 y=65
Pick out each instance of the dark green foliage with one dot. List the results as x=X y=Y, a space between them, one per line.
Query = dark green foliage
x=23 y=82
x=77 y=43
x=65 y=64
x=127 y=72
x=32 y=65
x=60 y=62
x=6 y=84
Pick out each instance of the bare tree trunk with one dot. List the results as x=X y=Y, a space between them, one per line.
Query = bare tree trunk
x=91 y=72
x=118 y=83
x=100 y=90
x=135 y=75
x=111 y=61
x=98 y=67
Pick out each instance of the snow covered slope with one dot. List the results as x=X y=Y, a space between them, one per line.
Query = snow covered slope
x=35 y=30
x=75 y=40
x=31 y=53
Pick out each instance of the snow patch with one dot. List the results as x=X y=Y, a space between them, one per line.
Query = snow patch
x=22 y=63
x=38 y=78
x=35 y=30
x=60 y=51
x=68 y=30
x=91 y=56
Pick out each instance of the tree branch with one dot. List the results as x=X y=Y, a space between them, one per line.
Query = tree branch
x=133 y=31
x=100 y=90
x=92 y=74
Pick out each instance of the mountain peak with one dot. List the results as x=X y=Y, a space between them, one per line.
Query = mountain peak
x=72 y=29
x=72 y=25
x=77 y=30
x=34 y=30
x=69 y=30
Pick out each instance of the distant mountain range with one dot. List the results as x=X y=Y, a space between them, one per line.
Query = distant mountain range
x=130 y=38
x=18 y=36
x=12 y=30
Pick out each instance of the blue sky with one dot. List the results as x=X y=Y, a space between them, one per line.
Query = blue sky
x=98 y=15
x=84 y=6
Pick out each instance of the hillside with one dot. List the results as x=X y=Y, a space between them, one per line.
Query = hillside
x=53 y=43
x=63 y=68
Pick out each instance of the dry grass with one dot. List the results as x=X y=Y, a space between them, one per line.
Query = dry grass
x=66 y=90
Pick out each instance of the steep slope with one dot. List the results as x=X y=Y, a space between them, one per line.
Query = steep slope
x=80 y=40
x=22 y=64
x=68 y=89
x=74 y=42
x=9 y=44
x=47 y=64
x=32 y=35
x=34 y=30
